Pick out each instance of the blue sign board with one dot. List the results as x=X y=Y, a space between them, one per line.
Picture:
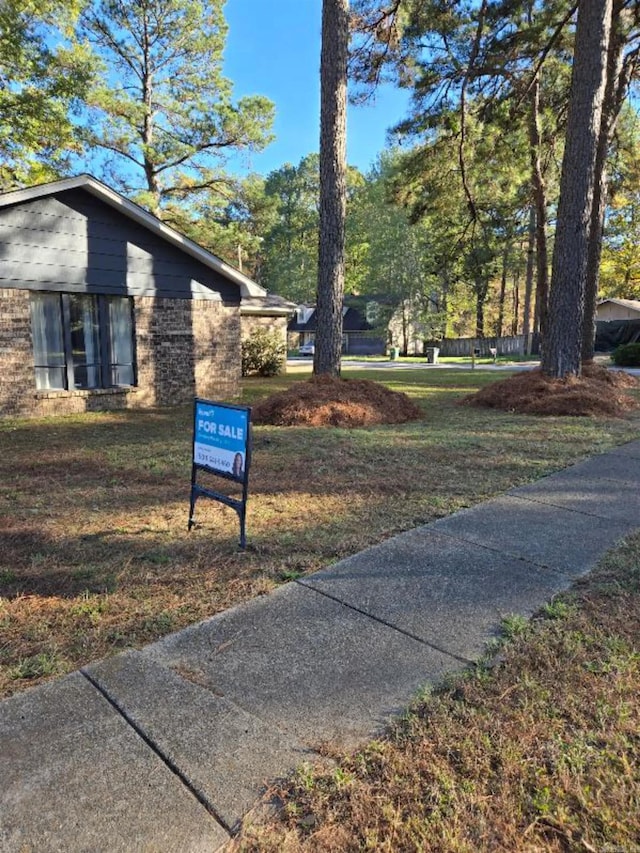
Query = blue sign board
x=221 y=435
x=221 y=445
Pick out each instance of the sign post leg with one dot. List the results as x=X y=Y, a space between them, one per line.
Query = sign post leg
x=243 y=536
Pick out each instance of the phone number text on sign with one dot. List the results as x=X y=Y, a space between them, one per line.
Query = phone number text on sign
x=212 y=460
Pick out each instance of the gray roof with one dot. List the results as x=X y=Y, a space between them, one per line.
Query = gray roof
x=269 y=305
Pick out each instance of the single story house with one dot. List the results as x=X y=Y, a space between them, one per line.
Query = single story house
x=359 y=337
x=618 y=309
x=103 y=306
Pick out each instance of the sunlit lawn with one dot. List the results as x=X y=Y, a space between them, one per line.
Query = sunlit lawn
x=93 y=509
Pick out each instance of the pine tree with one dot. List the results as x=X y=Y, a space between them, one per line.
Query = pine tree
x=562 y=350
x=169 y=122
x=333 y=188
x=42 y=73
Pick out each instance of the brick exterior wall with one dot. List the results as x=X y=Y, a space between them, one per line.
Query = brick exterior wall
x=17 y=374
x=184 y=347
x=272 y=324
x=218 y=366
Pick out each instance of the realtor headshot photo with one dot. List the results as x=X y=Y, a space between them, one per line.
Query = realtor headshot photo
x=238 y=465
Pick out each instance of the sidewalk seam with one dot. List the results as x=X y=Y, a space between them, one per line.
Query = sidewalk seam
x=495 y=550
x=568 y=508
x=465 y=661
x=555 y=570
x=168 y=762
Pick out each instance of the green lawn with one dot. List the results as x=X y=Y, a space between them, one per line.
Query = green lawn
x=95 y=552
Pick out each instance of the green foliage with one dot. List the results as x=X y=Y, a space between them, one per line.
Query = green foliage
x=620 y=266
x=35 y=666
x=290 y=249
x=43 y=74
x=171 y=115
x=558 y=609
x=514 y=625
x=627 y=355
x=232 y=229
x=467 y=170
x=390 y=260
x=291 y=244
x=263 y=353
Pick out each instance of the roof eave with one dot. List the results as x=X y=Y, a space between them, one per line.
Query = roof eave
x=264 y=312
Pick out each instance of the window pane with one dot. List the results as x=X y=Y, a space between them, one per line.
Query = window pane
x=122 y=374
x=48 y=340
x=121 y=340
x=50 y=378
x=85 y=342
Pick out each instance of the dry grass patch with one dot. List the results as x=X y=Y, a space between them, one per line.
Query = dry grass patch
x=539 y=752
x=94 y=550
x=597 y=393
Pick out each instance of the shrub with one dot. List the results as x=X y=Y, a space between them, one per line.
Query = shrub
x=627 y=355
x=263 y=353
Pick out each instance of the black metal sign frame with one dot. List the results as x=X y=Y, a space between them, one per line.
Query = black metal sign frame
x=221 y=432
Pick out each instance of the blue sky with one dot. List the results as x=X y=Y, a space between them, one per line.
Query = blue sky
x=273 y=49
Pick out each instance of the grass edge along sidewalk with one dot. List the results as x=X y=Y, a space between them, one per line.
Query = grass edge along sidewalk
x=534 y=749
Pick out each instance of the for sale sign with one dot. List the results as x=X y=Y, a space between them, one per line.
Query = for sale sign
x=221 y=435
x=222 y=446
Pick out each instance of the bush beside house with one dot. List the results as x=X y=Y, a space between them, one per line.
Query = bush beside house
x=263 y=353
x=627 y=355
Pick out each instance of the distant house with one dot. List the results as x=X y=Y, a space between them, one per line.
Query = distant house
x=618 y=309
x=103 y=306
x=618 y=322
x=359 y=337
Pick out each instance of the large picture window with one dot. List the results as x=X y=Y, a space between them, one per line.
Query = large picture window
x=82 y=341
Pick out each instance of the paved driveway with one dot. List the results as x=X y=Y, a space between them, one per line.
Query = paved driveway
x=355 y=364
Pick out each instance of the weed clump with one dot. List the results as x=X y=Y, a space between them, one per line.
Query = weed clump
x=597 y=393
x=327 y=401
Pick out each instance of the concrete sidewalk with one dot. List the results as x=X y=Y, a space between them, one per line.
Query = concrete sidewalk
x=167 y=748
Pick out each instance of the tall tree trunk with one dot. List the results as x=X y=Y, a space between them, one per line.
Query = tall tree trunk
x=527 y=326
x=503 y=291
x=515 y=319
x=561 y=355
x=150 y=173
x=333 y=192
x=540 y=200
x=617 y=84
x=481 y=298
x=405 y=329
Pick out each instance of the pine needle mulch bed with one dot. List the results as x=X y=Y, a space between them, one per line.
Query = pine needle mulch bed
x=540 y=752
x=94 y=550
x=326 y=401
x=597 y=393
